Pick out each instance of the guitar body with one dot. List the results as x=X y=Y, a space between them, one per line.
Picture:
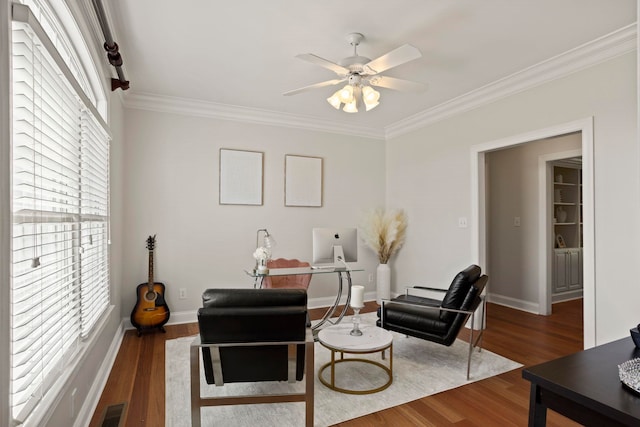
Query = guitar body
x=151 y=309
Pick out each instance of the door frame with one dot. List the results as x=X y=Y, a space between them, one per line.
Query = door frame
x=479 y=220
x=545 y=226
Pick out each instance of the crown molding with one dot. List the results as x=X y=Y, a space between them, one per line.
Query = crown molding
x=587 y=55
x=191 y=107
x=607 y=47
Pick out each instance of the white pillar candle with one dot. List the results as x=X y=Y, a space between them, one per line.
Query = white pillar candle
x=357 y=296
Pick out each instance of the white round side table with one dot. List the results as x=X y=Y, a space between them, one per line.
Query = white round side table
x=373 y=340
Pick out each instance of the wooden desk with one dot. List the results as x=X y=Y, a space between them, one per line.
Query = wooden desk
x=585 y=387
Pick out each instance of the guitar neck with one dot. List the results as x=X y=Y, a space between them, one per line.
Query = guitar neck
x=150 y=269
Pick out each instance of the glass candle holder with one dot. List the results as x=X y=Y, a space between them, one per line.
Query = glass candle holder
x=356 y=332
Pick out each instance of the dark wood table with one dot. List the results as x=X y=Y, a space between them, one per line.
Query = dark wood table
x=585 y=387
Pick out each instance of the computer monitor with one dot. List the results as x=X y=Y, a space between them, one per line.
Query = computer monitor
x=331 y=243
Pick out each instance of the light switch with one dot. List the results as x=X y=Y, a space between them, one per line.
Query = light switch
x=516 y=221
x=462 y=222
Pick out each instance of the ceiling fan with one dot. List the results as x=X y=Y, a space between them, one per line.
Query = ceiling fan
x=361 y=73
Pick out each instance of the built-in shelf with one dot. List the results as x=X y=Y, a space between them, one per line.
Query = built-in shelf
x=567 y=227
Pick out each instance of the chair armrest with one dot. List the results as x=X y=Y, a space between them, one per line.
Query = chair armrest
x=426 y=288
x=426 y=307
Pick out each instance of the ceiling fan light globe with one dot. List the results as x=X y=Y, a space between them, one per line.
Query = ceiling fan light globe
x=371 y=105
x=334 y=100
x=350 y=107
x=346 y=94
x=370 y=95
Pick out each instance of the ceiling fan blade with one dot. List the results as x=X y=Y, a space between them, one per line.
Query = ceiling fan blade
x=314 y=86
x=399 y=56
x=314 y=59
x=397 y=84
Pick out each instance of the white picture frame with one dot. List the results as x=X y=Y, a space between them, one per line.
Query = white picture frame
x=241 y=177
x=303 y=181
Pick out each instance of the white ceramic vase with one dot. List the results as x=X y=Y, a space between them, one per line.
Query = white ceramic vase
x=562 y=215
x=383 y=282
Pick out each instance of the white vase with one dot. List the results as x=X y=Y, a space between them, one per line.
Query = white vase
x=562 y=215
x=383 y=283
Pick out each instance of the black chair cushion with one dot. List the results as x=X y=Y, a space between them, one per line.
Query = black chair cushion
x=458 y=291
x=253 y=364
x=253 y=297
x=418 y=300
x=416 y=321
x=253 y=315
x=257 y=324
x=414 y=317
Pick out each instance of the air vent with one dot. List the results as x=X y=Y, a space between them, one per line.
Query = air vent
x=113 y=415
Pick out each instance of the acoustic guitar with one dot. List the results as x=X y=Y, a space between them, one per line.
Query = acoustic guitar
x=151 y=309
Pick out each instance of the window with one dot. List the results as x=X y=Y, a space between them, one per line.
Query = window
x=60 y=211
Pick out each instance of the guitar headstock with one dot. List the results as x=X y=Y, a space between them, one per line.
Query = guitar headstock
x=151 y=242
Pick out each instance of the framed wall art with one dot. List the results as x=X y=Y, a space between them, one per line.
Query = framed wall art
x=241 y=175
x=302 y=181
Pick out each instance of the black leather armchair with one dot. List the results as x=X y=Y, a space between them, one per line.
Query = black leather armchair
x=434 y=320
x=253 y=335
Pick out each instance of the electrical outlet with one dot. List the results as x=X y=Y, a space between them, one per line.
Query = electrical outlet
x=516 y=221
x=183 y=293
x=370 y=277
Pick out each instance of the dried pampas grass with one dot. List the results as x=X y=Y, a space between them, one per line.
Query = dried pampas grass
x=384 y=232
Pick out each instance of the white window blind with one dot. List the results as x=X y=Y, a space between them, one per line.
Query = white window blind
x=60 y=172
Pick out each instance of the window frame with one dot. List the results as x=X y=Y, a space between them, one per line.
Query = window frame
x=22 y=13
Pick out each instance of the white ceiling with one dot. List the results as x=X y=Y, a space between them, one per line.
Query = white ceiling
x=242 y=52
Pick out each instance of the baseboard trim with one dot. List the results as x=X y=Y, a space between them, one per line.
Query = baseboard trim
x=100 y=381
x=528 y=306
x=518 y=304
x=566 y=296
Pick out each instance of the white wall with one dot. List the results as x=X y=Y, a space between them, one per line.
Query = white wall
x=436 y=160
x=171 y=167
x=512 y=177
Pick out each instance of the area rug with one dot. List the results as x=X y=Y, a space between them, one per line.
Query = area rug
x=420 y=368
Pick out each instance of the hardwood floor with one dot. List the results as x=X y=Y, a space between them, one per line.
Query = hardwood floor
x=137 y=377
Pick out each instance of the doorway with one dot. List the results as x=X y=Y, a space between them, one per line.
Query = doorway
x=554 y=227
x=479 y=219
